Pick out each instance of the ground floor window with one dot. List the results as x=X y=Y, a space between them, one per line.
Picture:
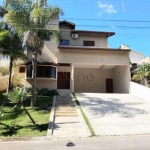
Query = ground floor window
x=42 y=72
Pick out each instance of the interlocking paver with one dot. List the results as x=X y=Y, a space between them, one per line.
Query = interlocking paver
x=116 y=114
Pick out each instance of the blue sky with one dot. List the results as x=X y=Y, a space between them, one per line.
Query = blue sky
x=111 y=15
x=134 y=34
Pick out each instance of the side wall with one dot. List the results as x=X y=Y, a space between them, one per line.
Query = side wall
x=121 y=79
x=143 y=92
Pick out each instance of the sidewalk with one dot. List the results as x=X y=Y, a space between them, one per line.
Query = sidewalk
x=67 y=120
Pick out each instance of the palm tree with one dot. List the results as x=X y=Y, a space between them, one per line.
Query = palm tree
x=17 y=96
x=32 y=19
x=143 y=72
x=11 y=45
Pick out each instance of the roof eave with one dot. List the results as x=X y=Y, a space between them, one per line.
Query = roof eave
x=92 y=48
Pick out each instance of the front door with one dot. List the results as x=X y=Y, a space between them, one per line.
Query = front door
x=109 y=85
x=63 y=80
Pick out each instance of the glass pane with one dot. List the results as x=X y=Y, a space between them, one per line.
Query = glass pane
x=29 y=71
x=53 y=72
x=47 y=72
x=64 y=42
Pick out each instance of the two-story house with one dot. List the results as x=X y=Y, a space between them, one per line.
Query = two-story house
x=81 y=62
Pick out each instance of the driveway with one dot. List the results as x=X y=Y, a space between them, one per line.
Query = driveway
x=116 y=114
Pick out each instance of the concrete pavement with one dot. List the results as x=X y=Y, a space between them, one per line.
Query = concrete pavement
x=100 y=143
x=67 y=120
x=116 y=114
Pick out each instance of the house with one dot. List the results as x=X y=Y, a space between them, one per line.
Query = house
x=4 y=60
x=81 y=62
x=137 y=59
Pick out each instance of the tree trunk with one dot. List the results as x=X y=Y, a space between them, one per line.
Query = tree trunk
x=10 y=72
x=34 y=66
x=28 y=113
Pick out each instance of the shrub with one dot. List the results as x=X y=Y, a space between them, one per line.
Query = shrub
x=44 y=106
x=3 y=99
x=47 y=92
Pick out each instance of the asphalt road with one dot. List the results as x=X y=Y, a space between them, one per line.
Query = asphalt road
x=96 y=143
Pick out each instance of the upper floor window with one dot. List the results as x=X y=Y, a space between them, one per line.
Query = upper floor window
x=88 y=43
x=64 y=42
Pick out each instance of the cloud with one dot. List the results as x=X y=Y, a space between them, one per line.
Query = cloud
x=108 y=8
x=113 y=27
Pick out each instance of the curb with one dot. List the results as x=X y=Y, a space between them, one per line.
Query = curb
x=51 y=120
x=82 y=120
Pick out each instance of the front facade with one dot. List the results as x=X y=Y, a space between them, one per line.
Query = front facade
x=81 y=62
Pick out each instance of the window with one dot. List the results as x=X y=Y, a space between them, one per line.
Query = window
x=22 y=70
x=29 y=71
x=53 y=72
x=64 y=42
x=88 y=43
x=42 y=72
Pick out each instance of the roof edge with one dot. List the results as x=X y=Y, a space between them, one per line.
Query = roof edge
x=93 y=48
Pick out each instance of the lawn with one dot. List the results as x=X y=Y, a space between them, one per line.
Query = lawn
x=22 y=124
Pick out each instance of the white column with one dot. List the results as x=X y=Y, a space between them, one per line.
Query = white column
x=72 y=78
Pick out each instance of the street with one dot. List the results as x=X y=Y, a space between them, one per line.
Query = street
x=138 y=142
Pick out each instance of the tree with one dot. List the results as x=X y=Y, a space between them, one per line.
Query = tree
x=11 y=45
x=17 y=96
x=143 y=72
x=32 y=19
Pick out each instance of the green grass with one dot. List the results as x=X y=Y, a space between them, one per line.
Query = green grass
x=22 y=124
x=84 y=116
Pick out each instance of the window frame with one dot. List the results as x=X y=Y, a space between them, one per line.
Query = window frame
x=65 y=40
x=44 y=68
x=88 y=43
x=24 y=69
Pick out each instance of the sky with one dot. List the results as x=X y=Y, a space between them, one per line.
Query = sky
x=129 y=19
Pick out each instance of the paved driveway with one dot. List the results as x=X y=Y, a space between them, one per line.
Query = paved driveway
x=116 y=114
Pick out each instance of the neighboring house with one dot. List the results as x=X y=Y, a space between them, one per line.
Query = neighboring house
x=4 y=60
x=82 y=62
x=136 y=59
x=146 y=60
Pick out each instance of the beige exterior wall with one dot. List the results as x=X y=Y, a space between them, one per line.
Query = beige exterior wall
x=91 y=80
x=42 y=83
x=121 y=79
x=49 y=52
x=100 y=40
x=3 y=83
x=93 y=57
x=18 y=78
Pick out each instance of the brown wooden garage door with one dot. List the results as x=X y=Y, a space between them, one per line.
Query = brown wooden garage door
x=63 y=80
